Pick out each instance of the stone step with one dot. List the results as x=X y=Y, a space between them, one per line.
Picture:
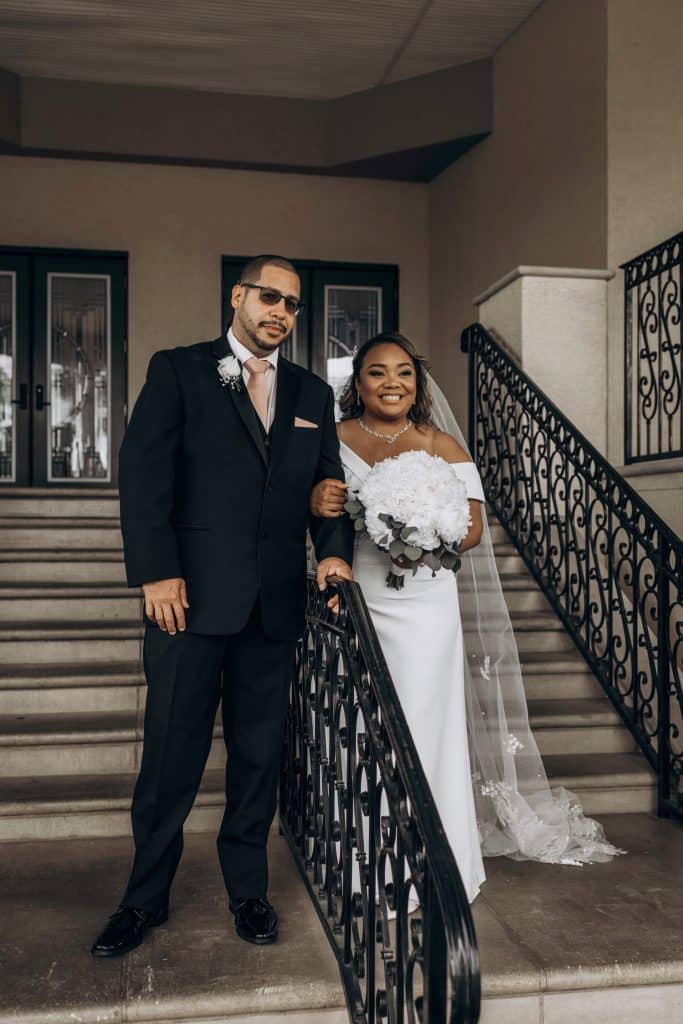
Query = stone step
x=560 y=680
x=62 y=504
x=605 y=783
x=578 y=727
x=45 y=606
x=66 y=646
x=192 y=970
x=68 y=568
x=524 y=595
x=84 y=743
x=86 y=805
x=25 y=689
x=66 y=534
x=538 y=632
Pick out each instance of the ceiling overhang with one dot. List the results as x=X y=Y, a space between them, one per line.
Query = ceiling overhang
x=409 y=130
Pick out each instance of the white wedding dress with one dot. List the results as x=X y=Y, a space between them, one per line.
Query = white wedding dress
x=420 y=630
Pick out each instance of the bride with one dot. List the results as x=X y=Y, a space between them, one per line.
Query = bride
x=460 y=688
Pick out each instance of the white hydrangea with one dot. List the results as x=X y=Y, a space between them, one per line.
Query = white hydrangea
x=418 y=490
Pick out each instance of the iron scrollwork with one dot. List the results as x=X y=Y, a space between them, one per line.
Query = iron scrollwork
x=362 y=825
x=610 y=567
x=653 y=353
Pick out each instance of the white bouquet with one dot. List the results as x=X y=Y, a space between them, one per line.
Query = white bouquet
x=415 y=507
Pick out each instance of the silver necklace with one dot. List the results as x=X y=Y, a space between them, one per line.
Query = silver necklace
x=389 y=438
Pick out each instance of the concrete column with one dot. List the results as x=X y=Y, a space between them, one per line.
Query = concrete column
x=553 y=320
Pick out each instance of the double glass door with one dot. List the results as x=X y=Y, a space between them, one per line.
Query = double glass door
x=344 y=305
x=62 y=368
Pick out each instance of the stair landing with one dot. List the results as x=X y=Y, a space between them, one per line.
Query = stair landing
x=558 y=945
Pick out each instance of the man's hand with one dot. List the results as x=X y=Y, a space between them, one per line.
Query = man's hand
x=328 y=498
x=332 y=567
x=165 y=604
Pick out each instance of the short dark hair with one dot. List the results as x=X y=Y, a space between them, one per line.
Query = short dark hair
x=421 y=412
x=251 y=271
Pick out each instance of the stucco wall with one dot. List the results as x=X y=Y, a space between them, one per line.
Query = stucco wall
x=176 y=222
x=645 y=181
x=535 y=191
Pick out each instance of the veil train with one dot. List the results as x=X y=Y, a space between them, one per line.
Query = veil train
x=518 y=814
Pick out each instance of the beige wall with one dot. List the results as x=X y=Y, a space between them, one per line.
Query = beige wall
x=645 y=175
x=176 y=222
x=534 y=192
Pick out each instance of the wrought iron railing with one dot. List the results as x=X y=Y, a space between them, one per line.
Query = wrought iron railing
x=653 y=354
x=364 y=830
x=610 y=567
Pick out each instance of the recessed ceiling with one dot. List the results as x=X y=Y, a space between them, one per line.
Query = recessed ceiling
x=313 y=49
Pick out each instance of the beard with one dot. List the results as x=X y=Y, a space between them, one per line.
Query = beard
x=255 y=331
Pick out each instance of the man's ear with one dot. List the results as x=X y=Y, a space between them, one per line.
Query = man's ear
x=235 y=295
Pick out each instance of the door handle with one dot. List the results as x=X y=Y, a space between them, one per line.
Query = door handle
x=40 y=398
x=22 y=400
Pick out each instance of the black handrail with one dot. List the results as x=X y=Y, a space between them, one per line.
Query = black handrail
x=361 y=822
x=609 y=565
x=653 y=353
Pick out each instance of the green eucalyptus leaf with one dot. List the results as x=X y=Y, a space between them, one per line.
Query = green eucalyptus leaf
x=358 y=525
x=353 y=507
x=413 y=552
x=449 y=560
x=406 y=532
x=396 y=548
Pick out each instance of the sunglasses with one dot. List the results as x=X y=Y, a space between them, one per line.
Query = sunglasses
x=271 y=297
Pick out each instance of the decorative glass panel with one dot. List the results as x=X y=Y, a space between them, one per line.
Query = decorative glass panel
x=8 y=330
x=352 y=315
x=79 y=362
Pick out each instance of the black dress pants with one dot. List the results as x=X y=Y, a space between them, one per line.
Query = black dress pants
x=187 y=674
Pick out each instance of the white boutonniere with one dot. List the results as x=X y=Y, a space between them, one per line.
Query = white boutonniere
x=230 y=373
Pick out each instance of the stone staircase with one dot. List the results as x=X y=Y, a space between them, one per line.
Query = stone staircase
x=72 y=691
x=558 y=945
x=71 y=686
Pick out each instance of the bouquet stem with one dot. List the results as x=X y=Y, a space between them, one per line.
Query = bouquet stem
x=394 y=581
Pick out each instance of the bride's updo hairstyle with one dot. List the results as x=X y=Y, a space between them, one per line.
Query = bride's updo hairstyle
x=421 y=411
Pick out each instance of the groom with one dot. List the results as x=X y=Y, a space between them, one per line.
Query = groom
x=224 y=446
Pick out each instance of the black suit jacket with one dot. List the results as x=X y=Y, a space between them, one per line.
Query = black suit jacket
x=202 y=498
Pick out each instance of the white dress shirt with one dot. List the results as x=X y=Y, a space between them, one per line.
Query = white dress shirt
x=242 y=353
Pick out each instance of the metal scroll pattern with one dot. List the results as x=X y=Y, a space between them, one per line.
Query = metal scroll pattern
x=361 y=822
x=653 y=353
x=610 y=567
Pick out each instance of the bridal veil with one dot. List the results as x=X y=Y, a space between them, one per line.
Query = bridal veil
x=518 y=814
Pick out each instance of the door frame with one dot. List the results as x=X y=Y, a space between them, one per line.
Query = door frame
x=33 y=438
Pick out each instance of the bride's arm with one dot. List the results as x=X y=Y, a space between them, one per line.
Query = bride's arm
x=449 y=449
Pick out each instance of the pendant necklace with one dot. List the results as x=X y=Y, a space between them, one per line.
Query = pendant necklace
x=389 y=438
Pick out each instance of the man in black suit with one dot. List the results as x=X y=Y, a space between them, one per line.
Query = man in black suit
x=224 y=446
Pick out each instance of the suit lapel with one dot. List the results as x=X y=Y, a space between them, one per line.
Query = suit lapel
x=288 y=383
x=242 y=402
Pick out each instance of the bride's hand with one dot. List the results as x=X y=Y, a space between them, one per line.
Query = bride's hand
x=328 y=499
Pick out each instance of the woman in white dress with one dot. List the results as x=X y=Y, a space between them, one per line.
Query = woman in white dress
x=387 y=410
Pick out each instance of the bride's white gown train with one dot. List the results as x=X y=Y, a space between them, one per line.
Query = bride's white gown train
x=420 y=630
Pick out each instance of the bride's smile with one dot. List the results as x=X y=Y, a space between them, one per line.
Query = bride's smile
x=387 y=386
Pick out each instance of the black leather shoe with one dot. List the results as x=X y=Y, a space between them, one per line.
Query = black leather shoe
x=255 y=920
x=126 y=929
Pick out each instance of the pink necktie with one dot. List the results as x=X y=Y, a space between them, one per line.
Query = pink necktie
x=257 y=387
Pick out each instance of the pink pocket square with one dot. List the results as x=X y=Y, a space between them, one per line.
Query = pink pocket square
x=298 y=422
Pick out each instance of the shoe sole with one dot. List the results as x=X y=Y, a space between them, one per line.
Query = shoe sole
x=257 y=940
x=108 y=953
